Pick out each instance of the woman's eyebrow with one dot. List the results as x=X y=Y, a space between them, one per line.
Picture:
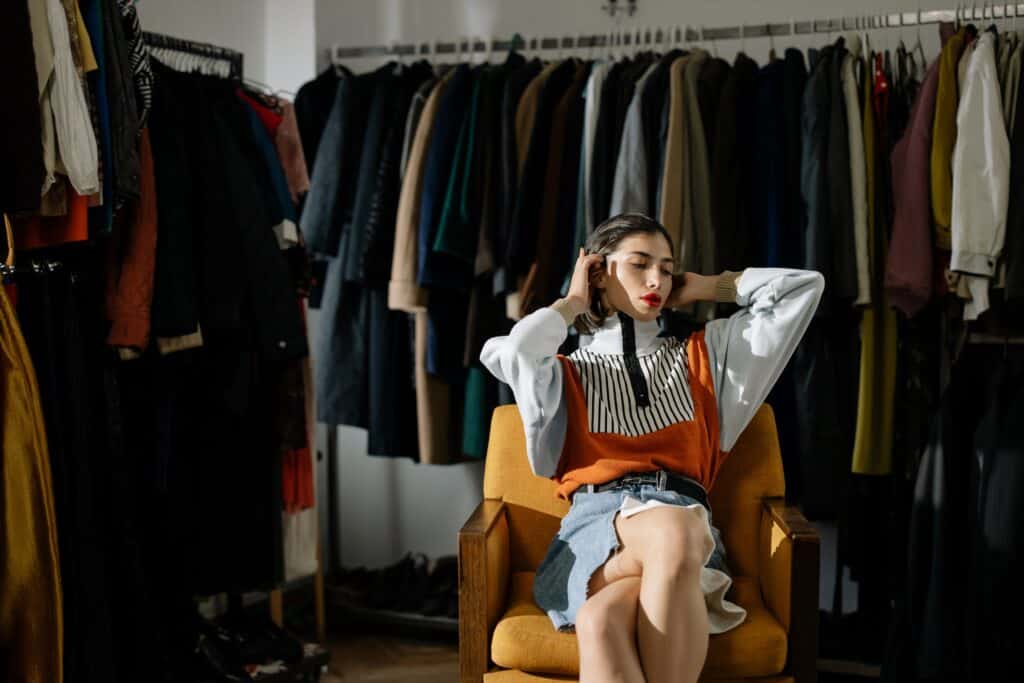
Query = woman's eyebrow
x=646 y=255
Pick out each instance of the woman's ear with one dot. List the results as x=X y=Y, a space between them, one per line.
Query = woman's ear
x=599 y=275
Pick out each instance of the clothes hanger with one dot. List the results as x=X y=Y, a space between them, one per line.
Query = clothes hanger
x=9 y=231
x=918 y=46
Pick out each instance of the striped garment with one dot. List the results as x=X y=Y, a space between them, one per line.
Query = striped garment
x=611 y=403
x=138 y=58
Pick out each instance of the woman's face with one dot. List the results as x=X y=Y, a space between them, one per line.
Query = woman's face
x=638 y=278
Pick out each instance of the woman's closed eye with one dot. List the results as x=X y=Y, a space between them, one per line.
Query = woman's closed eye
x=643 y=266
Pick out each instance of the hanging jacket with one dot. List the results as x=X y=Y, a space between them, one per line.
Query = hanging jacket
x=814 y=175
x=851 y=97
x=981 y=178
x=840 y=202
x=404 y=292
x=676 y=154
x=730 y=173
x=313 y=104
x=794 y=218
x=31 y=608
x=709 y=94
x=629 y=190
x=769 y=149
x=698 y=221
x=909 y=270
x=944 y=138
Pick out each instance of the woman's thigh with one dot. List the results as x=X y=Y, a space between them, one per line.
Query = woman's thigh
x=617 y=603
x=642 y=533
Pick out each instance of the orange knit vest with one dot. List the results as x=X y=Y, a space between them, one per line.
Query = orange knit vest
x=690 y=448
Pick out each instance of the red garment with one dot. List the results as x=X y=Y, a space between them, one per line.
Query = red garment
x=298 y=489
x=297 y=479
x=270 y=118
x=131 y=260
x=53 y=231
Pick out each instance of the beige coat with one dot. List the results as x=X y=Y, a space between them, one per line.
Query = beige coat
x=404 y=292
x=671 y=209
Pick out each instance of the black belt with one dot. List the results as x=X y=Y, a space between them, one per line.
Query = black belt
x=661 y=479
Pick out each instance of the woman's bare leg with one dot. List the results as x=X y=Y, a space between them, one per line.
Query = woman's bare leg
x=665 y=547
x=606 y=632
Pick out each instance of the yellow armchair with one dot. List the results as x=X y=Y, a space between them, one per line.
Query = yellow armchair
x=773 y=554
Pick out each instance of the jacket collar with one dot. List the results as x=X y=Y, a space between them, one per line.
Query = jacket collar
x=608 y=338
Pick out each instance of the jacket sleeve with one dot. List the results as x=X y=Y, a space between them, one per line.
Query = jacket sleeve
x=748 y=350
x=981 y=175
x=525 y=360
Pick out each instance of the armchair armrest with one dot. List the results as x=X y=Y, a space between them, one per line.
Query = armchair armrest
x=483 y=585
x=790 y=558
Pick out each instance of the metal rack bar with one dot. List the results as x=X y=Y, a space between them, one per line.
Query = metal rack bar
x=687 y=33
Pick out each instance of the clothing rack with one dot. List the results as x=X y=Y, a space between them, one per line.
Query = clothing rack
x=197 y=55
x=34 y=266
x=222 y=61
x=652 y=35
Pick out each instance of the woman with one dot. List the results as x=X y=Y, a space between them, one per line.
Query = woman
x=632 y=423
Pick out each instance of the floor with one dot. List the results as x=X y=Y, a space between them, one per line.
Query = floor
x=378 y=657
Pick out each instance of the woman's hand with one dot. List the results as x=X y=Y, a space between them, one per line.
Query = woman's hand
x=688 y=288
x=584 y=276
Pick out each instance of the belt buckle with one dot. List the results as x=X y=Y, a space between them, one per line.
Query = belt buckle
x=662 y=480
x=634 y=480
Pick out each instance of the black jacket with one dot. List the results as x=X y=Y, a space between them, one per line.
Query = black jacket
x=312 y=109
x=794 y=80
x=814 y=178
x=522 y=238
x=843 y=274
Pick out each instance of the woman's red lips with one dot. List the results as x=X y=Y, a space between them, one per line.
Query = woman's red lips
x=652 y=299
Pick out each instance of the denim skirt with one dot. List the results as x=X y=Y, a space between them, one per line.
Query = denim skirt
x=587 y=538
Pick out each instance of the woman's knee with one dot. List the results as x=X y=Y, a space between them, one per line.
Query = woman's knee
x=676 y=541
x=601 y=620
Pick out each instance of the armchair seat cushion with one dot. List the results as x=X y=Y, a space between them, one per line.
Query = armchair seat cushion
x=524 y=638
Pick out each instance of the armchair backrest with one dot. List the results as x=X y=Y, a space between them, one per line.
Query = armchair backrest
x=751 y=472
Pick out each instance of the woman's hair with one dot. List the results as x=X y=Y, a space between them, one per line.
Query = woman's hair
x=604 y=240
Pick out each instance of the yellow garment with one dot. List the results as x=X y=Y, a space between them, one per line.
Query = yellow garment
x=88 y=56
x=944 y=139
x=31 y=617
x=872 y=446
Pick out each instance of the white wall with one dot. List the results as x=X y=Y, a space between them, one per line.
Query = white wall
x=290 y=43
x=276 y=37
x=237 y=24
